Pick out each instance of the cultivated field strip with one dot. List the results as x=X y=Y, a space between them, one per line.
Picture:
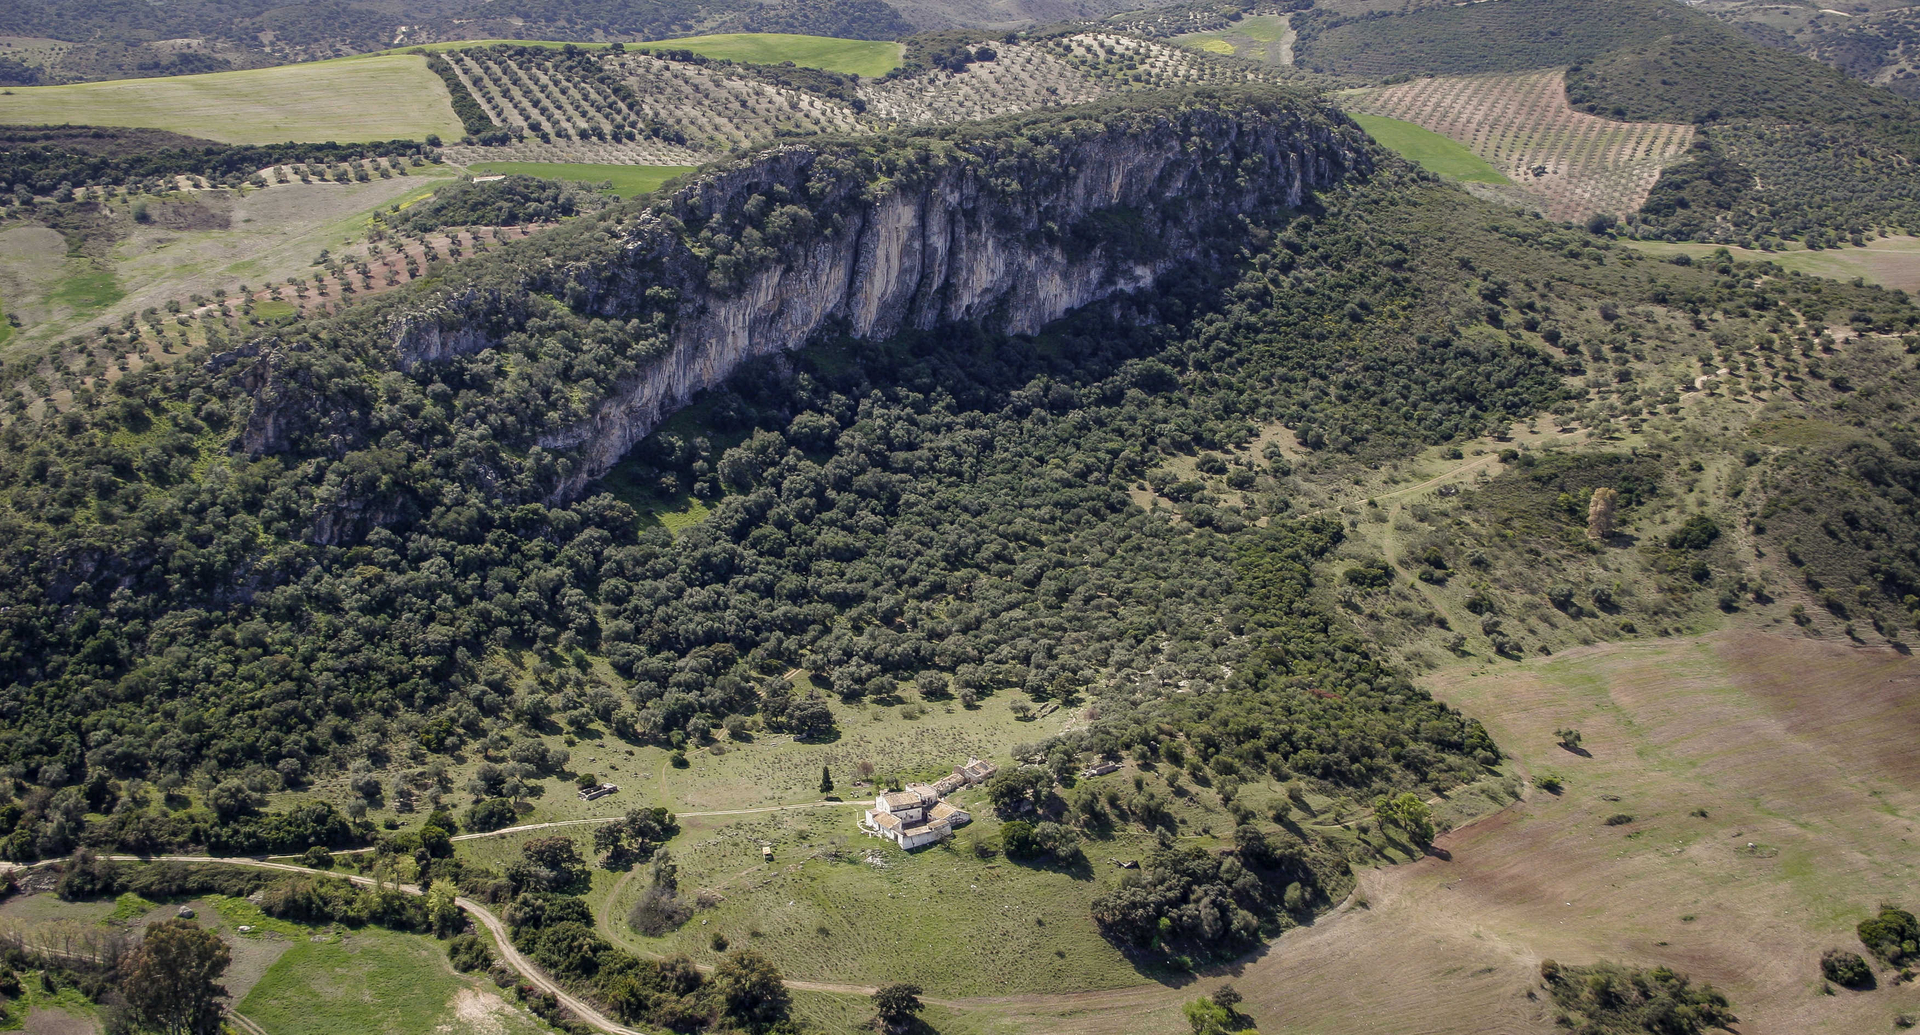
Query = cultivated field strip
x=1022 y=78
x=564 y=117
x=1047 y=73
x=643 y=109
x=703 y=103
x=1578 y=165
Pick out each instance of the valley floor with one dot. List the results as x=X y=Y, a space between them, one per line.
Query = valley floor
x=1801 y=756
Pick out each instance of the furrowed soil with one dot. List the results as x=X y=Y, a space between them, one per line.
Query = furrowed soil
x=1802 y=756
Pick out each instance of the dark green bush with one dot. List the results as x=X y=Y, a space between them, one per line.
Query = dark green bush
x=1893 y=935
x=1846 y=969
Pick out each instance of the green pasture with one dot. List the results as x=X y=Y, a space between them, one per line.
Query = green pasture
x=858 y=57
x=372 y=981
x=1429 y=150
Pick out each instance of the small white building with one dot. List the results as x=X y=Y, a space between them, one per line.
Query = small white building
x=913 y=817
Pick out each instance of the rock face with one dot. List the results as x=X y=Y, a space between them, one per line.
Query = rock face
x=1001 y=230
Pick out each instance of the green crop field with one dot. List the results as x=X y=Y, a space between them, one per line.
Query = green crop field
x=859 y=57
x=1429 y=150
x=627 y=180
x=346 y=100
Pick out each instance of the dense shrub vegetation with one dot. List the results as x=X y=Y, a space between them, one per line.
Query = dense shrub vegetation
x=1836 y=156
x=1610 y=999
x=1893 y=935
x=947 y=511
x=503 y=202
x=1187 y=901
x=111 y=34
x=1703 y=72
x=1448 y=39
x=888 y=477
x=1846 y=969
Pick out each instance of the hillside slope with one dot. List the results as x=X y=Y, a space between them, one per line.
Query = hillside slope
x=1788 y=149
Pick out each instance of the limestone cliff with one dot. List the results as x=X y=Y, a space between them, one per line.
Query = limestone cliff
x=1007 y=225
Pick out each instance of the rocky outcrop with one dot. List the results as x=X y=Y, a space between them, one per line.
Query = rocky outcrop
x=1007 y=228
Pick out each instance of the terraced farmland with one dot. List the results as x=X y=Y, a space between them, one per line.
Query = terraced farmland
x=1577 y=165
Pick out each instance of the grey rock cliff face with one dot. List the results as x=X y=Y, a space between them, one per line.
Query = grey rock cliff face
x=1006 y=236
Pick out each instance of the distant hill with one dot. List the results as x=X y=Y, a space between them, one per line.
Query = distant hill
x=1788 y=149
x=67 y=41
x=1877 y=42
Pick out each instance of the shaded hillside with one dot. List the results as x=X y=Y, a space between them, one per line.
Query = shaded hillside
x=1461 y=39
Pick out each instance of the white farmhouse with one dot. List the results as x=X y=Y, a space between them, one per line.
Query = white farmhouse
x=914 y=817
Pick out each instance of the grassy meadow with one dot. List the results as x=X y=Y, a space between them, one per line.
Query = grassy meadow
x=382 y=97
x=1266 y=37
x=1429 y=150
x=839 y=907
x=868 y=58
x=627 y=180
x=836 y=906
x=1888 y=261
x=372 y=981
